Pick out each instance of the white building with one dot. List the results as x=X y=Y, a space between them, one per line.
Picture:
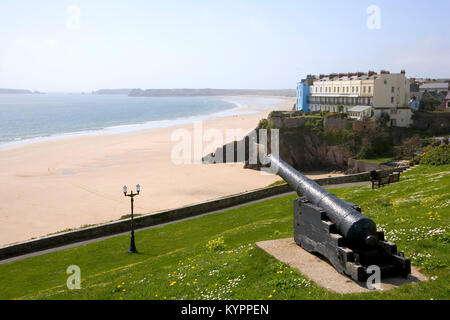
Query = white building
x=384 y=93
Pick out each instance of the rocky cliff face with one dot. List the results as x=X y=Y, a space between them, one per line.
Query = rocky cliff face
x=306 y=151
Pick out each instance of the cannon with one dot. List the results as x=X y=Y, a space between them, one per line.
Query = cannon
x=337 y=230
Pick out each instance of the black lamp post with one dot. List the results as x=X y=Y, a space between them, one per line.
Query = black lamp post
x=132 y=195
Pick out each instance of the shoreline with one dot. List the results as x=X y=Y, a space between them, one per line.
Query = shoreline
x=238 y=109
x=68 y=183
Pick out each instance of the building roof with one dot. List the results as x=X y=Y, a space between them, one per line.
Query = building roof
x=435 y=85
x=360 y=108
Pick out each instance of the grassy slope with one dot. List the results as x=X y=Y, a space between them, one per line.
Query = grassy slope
x=175 y=263
x=377 y=160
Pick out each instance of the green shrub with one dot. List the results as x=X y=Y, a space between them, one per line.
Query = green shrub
x=263 y=124
x=314 y=125
x=437 y=156
x=429 y=104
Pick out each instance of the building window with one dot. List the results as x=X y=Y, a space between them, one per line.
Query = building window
x=357 y=89
x=370 y=89
x=364 y=89
x=393 y=89
x=392 y=99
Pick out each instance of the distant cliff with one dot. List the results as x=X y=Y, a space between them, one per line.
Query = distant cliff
x=16 y=91
x=113 y=91
x=208 y=92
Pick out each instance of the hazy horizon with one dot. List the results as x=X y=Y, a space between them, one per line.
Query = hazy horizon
x=83 y=46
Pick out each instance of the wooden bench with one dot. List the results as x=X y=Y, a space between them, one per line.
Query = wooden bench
x=380 y=181
x=394 y=177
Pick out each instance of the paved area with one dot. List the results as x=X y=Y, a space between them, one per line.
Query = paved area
x=322 y=273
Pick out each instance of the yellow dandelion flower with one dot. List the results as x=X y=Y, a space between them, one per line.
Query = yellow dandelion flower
x=172 y=283
x=270 y=296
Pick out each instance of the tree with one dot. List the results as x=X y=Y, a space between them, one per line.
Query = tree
x=429 y=104
x=384 y=119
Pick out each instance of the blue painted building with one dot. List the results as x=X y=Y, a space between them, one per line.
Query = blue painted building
x=302 y=97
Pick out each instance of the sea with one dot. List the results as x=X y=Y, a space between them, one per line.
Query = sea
x=29 y=118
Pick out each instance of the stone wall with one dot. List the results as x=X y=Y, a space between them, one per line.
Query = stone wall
x=335 y=122
x=281 y=122
x=363 y=166
x=360 y=126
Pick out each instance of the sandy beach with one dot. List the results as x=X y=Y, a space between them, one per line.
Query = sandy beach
x=68 y=183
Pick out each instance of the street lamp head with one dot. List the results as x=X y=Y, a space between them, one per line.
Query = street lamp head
x=138 y=188
x=125 y=190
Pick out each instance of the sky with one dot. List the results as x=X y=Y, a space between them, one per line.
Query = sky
x=85 y=45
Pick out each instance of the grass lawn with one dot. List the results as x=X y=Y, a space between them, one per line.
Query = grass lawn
x=377 y=160
x=189 y=260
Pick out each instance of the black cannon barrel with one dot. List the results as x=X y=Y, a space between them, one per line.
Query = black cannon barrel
x=355 y=227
